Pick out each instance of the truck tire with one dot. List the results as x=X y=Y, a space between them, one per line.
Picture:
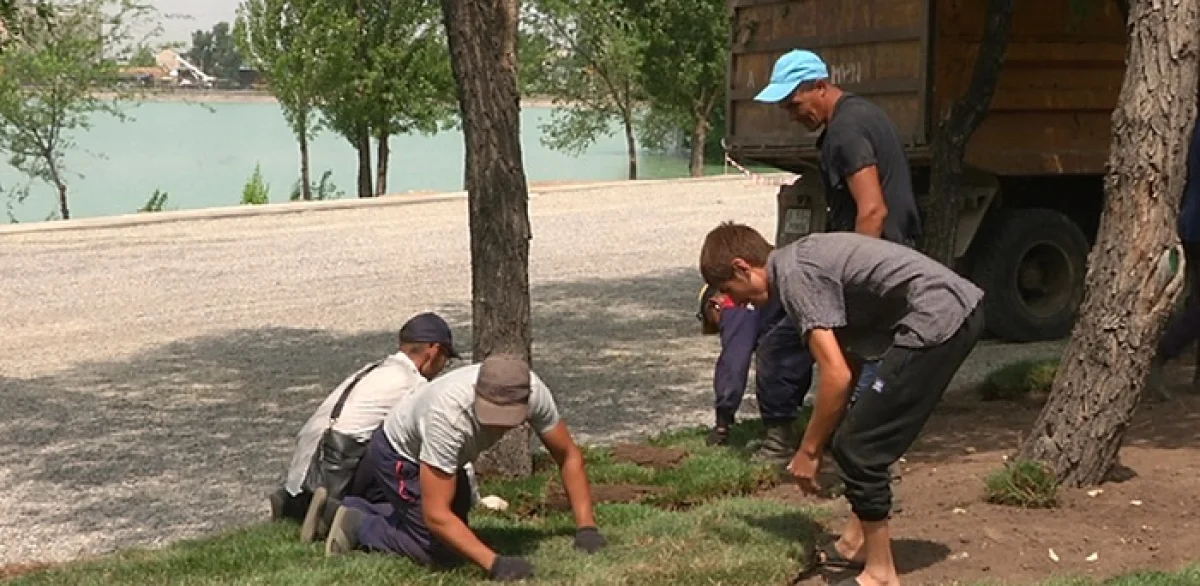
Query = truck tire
x=1031 y=265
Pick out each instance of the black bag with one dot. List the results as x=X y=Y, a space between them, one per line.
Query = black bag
x=337 y=455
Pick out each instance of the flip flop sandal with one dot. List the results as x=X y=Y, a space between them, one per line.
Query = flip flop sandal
x=827 y=556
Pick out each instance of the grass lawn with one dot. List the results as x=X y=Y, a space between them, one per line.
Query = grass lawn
x=699 y=526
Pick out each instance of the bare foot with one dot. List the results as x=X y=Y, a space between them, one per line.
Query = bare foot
x=866 y=579
x=852 y=552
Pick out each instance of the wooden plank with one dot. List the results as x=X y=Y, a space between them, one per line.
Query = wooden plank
x=1041 y=142
x=848 y=65
x=787 y=43
x=1049 y=19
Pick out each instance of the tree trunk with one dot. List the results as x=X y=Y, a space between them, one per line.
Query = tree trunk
x=482 y=38
x=945 y=200
x=700 y=136
x=631 y=145
x=364 y=163
x=62 y=199
x=63 y=209
x=1130 y=287
x=305 y=169
x=381 y=165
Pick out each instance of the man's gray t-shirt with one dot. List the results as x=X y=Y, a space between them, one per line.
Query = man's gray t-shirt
x=872 y=292
x=436 y=424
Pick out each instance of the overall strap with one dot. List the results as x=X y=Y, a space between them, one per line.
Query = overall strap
x=337 y=408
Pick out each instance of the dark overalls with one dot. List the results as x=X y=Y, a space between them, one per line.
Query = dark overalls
x=782 y=363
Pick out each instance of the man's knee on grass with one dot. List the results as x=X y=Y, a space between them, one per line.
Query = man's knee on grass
x=734 y=260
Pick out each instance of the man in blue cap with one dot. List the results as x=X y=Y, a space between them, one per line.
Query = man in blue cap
x=868 y=183
x=333 y=441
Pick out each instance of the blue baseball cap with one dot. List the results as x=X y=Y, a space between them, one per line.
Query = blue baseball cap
x=792 y=69
x=429 y=328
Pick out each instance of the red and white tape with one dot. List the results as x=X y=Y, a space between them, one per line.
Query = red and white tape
x=755 y=177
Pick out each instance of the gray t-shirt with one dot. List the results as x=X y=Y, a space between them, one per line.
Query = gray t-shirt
x=436 y=424
x=872 y=292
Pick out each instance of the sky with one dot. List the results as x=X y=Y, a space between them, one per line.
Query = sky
x=204 y=14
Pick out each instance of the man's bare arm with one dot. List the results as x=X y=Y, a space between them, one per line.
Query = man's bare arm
x=437 y=493
x=867 y=192
x=574 y=475
x=833 y=388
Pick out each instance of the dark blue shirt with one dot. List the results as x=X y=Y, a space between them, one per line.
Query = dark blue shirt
x=1189 y=215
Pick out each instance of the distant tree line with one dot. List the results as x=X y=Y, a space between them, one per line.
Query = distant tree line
x=650 y=70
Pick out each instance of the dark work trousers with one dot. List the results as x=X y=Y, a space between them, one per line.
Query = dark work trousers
x=783 y=364
x=398 y=525
x=1185 y=327
x=889 y=415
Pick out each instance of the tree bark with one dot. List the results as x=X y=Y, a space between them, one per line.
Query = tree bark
x=382 y=163
x=482 y=39
x=700 y=135
x=64 y=210
x=1130 y=287
x=945 y=200
x=305 y=169
x=363 y=147
x=62 y=199
x=630 y=145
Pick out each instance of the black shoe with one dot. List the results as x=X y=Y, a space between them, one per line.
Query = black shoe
x=718 y=436
x=319 y=517
x=779 y=446
x=278 y=500
x=343 y=531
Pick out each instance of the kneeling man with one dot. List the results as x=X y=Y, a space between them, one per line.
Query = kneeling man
x=848 y=295
x=333 y=441
x=419 y=454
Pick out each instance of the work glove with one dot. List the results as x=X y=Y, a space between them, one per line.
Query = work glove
x=589 y=539
x=510 y=568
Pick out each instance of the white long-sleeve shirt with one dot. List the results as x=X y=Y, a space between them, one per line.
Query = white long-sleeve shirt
x=365 y=408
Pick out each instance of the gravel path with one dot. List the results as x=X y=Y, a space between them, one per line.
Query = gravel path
x=153 y=377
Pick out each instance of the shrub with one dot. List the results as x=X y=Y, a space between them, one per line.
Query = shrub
x=156 y=203
x=1025 y=484
x=1020 y=380
x=256 y=191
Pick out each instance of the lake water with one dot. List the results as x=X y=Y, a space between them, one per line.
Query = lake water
x=203 y=155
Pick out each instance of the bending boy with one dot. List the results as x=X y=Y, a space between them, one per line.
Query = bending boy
x=419 y=454
x=853 y=295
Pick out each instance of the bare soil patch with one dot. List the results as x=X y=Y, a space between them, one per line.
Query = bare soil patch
x=11 y=571
x=1147 y=518
x=648 y=456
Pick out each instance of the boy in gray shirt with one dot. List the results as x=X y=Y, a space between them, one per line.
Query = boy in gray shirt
x=851 y=295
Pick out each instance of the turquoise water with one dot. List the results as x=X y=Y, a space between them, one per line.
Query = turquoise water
x=203 y=155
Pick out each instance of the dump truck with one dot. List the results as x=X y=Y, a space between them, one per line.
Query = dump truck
x=1034 y=167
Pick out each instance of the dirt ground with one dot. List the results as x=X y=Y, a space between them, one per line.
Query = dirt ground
x=946 y=534
x=648 y=456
